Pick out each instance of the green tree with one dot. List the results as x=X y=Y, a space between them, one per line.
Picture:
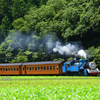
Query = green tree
x=5 y=9
x=18 y=23
x=18 y=9
x=5 y=23
x=4 y=27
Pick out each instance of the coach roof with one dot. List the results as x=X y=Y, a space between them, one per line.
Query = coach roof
x=31 y=63
x=11 y=64
x=45 y=62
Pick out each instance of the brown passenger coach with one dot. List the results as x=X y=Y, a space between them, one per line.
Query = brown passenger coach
x=32 y=68
x=10 y=69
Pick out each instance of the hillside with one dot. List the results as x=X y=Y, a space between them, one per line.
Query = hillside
x=26 y=26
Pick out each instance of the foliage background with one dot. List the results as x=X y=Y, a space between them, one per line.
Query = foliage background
x=25 y=23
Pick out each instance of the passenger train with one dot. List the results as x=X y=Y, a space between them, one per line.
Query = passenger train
x=72 y=67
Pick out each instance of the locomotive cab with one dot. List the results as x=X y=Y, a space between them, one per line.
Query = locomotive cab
x=69 y=67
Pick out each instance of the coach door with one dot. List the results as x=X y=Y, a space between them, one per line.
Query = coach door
x=20 y=70
x=25 y=69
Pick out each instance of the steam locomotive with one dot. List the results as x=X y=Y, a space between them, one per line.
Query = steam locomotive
x=72 y=67
x=80 y=67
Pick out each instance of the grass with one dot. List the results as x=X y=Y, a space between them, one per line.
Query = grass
x=49 y=88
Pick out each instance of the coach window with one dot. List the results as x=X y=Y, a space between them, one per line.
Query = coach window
x=47 y=67
x=17 y=69
x=44 y=68
x=27 y=68
x=38 y=68
x=53 y=67
x=32 y=68
x=57 y=67
x=6 y=69
x=11 y=69
x=3 y=69
x=14 y=69
x=35 y=68
x=50 y=67
x=41 y=68
x=23 y=68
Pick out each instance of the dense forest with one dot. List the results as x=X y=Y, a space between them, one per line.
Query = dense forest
x=27 y=27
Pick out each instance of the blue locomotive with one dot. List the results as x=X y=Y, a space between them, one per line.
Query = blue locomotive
x=80 y=68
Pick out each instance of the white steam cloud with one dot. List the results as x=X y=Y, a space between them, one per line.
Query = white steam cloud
x=82 y=53
x=33 y=43
x=69 y=49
